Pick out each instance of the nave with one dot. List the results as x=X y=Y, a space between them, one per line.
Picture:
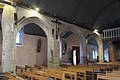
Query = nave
x=59 y=39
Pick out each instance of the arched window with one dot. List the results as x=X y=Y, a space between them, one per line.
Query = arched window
x=19 y=38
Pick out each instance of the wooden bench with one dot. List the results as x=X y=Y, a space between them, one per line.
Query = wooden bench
x=29 y=68
x=84 y=71
x=19 y=70
x=109 y=76
x=11 y=76
x=32 y=76
x=38 y=66
x=69 y=72
x=80 y=73
x=59 y=74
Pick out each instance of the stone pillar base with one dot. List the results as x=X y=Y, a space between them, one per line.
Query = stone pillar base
x=54 y=64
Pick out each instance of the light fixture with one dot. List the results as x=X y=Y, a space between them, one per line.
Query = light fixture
x=37 y=9
x=37 y=5
x=96 y=32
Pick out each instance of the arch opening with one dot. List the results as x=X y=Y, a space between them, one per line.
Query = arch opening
x=33 y=47
x=98 y=40
x=92 y=50
x=69 y=49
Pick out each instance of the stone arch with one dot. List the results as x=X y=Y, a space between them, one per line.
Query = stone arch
x=35 y=20
x=98 y=39
x=42 y=25
x=75 y=30
x=81 y=37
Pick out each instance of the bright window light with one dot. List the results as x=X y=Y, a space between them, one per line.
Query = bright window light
x=95 y=30
x=60 y=50
x=74 y=57
x=106 y=55
x=94 y=54
x=19 y=38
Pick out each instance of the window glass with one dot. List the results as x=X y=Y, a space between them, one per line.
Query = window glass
x=19 y=38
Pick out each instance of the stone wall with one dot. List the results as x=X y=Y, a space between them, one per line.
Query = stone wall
x=72 y=40
x=27 y=54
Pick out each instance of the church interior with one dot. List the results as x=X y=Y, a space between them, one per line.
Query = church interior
x=59 y=39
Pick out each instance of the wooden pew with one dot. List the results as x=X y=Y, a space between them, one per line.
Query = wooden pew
x=38 y=66
x=92 y=68
x=38 y=77
x=11 y=76
x=85 y=70
x=39 y=72
x=81 y=72
x=45 y=65
x=48 y=74
x=103 y=77
x=59 y=74
x=19 y=70
x=114 y=66
x=32 y=76
x=29 y=68
x=109 y=76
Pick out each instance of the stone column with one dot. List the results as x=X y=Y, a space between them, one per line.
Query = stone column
x=54 y=54
x=111 y=52
x=100 y=49
x=100 y=52
x=8 y=45
x=83 y=51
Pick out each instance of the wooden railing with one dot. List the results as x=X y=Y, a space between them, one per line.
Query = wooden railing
x=111 y=33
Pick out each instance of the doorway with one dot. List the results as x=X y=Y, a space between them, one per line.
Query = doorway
x=75 y=55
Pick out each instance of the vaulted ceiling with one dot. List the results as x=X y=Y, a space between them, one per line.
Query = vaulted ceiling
x=33 y=29
x=90 y=14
